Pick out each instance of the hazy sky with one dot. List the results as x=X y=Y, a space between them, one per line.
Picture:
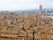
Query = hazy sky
x=24 y=4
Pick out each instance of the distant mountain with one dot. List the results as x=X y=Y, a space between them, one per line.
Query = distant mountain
x=23 y=11
x=48 y=10
x=33 y=10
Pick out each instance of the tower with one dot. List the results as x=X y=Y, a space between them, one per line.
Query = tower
x=39 y=18
x=40 y=9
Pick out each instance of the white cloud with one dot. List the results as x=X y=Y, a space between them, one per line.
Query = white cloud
x=24 y=4
x=9 y=0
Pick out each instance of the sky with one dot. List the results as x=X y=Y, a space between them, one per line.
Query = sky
x=24 y=4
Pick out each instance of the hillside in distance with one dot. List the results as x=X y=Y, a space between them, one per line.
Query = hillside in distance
x=33 y=10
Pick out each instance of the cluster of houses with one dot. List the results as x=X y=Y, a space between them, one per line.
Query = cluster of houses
x=27 y=26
